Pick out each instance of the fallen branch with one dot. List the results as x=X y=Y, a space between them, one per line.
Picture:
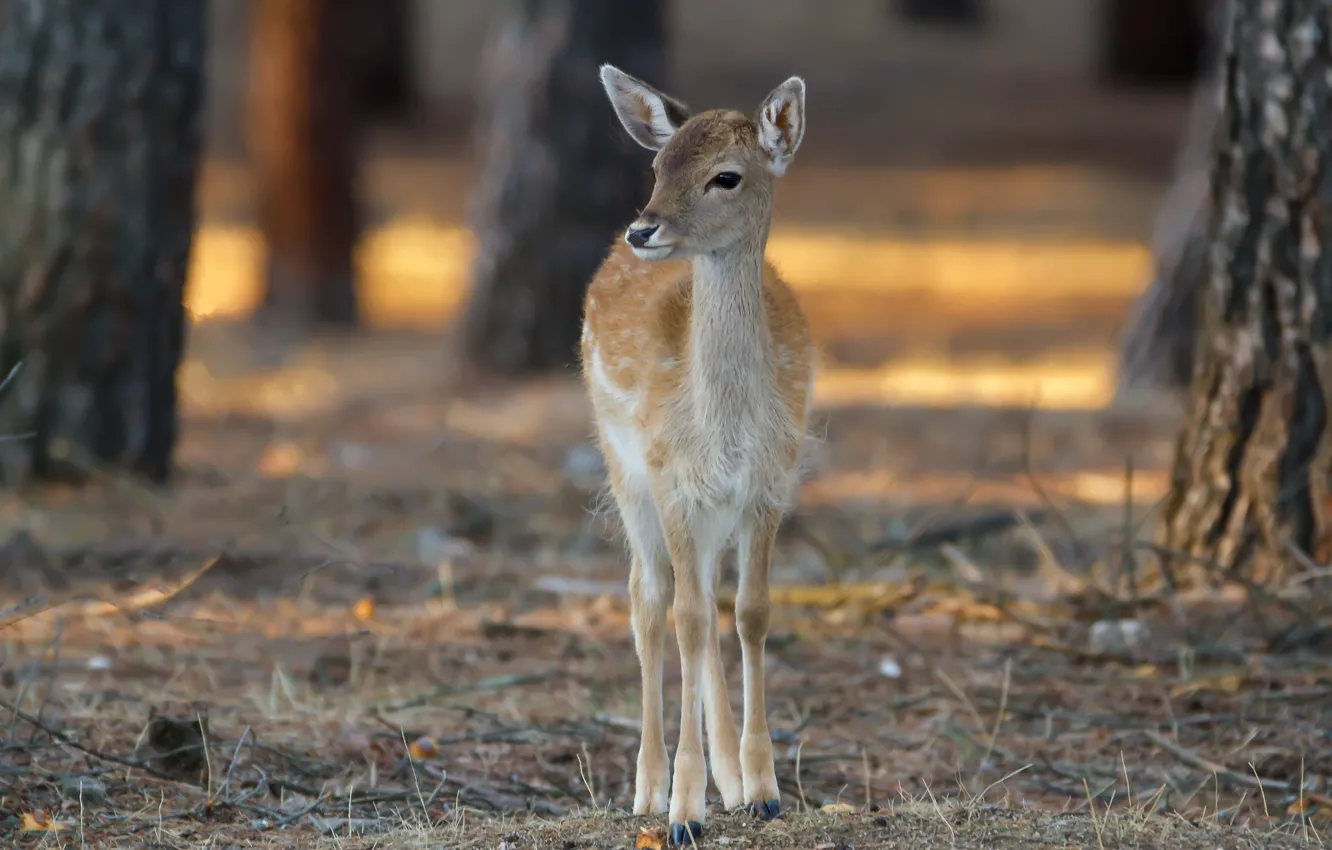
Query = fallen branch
x=1243 y=780
x=449 y=690
x=138 y=601
x=953 y=530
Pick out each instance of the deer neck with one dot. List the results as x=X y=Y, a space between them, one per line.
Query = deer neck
x=730 y=344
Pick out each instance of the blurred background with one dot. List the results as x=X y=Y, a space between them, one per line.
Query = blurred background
x=969 y=222
x=383 y=218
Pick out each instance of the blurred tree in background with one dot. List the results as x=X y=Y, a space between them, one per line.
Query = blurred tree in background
x=312 y=67
x=1252 y=466
x=1157 y=347
x=1154 y=42
x=101 y=131
x=560 y=180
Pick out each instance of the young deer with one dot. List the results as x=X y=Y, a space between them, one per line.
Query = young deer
x=699 y=365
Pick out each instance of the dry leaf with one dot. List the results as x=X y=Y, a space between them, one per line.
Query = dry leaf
x=422 y=748
x=838 y=809
x=1145 y=671
x=364 y=609
x=1222 y=683
x=965 y=609
x=279 y=460
x=39 y=821
x=648 y=839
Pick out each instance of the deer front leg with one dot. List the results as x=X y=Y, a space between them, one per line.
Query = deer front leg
x=649 y=599
x=693 y=561
x=723 y=747
x=752 y=607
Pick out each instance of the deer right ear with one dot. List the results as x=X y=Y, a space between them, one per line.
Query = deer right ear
x=650 y=116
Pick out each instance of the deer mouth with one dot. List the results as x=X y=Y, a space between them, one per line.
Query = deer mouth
x=653 y=252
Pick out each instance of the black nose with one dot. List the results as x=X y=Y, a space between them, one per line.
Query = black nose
x=639 y=238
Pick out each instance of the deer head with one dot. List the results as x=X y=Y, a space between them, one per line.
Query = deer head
x=714 y=170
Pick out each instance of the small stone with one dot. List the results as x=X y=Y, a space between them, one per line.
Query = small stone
x=435 y=547
x=889 y=667
x=1118 y=637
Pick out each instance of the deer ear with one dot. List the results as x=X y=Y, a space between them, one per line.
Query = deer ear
x=781 y=122
x=650 y=116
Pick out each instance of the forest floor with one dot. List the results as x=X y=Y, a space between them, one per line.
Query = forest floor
x=380 y=608
x=374 y=613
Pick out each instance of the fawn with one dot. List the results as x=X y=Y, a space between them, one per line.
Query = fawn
x=699 y=364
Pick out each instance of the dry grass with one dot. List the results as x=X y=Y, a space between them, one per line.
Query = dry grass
x=952 y=685
x=909 y=825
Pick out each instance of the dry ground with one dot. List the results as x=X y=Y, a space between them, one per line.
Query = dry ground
x=383 y=609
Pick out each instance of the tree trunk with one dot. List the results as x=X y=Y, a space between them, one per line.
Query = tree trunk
x=560 y=179
x=306 y=128
x=1156 y=350
x=101 y=130
x=1161 y=330
x=1152 y=42
x=1250 y=473
x=387 y=86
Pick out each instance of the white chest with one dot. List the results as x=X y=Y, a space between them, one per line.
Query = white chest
x=618 y=414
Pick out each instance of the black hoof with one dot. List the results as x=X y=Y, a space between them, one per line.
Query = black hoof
x=680 y=833
x=766 y=810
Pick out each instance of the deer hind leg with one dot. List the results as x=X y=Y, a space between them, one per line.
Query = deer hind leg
x=723 y=744
x=694 y=546
x=650 y=597
x=753 y=556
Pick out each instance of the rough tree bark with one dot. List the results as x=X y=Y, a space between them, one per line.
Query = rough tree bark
x=1250 y=473
x=101 y=130
x=306 y=122
x=560 y=180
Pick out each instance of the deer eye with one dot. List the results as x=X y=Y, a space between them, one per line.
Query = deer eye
x=725 y=180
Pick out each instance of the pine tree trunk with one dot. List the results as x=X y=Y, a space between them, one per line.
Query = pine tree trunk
x=101 y=130
x=1250 y=475
x=1152 y=42
x=306 y=127
x=560 y=180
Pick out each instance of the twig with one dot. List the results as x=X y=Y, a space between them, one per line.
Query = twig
x=148 y=597
x=1091 y=804
x=1194 y=760
x=137 y=602
x=62 y=738
x=494 y=683
x=998 y=718
x=226 y=782
x=14 y=370
x=951 y=530
x=56 y=642
x=1129 y=566
x=1079 y=551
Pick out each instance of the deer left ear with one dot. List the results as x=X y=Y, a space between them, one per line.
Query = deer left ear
x=781 y=123
x=649 y=116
